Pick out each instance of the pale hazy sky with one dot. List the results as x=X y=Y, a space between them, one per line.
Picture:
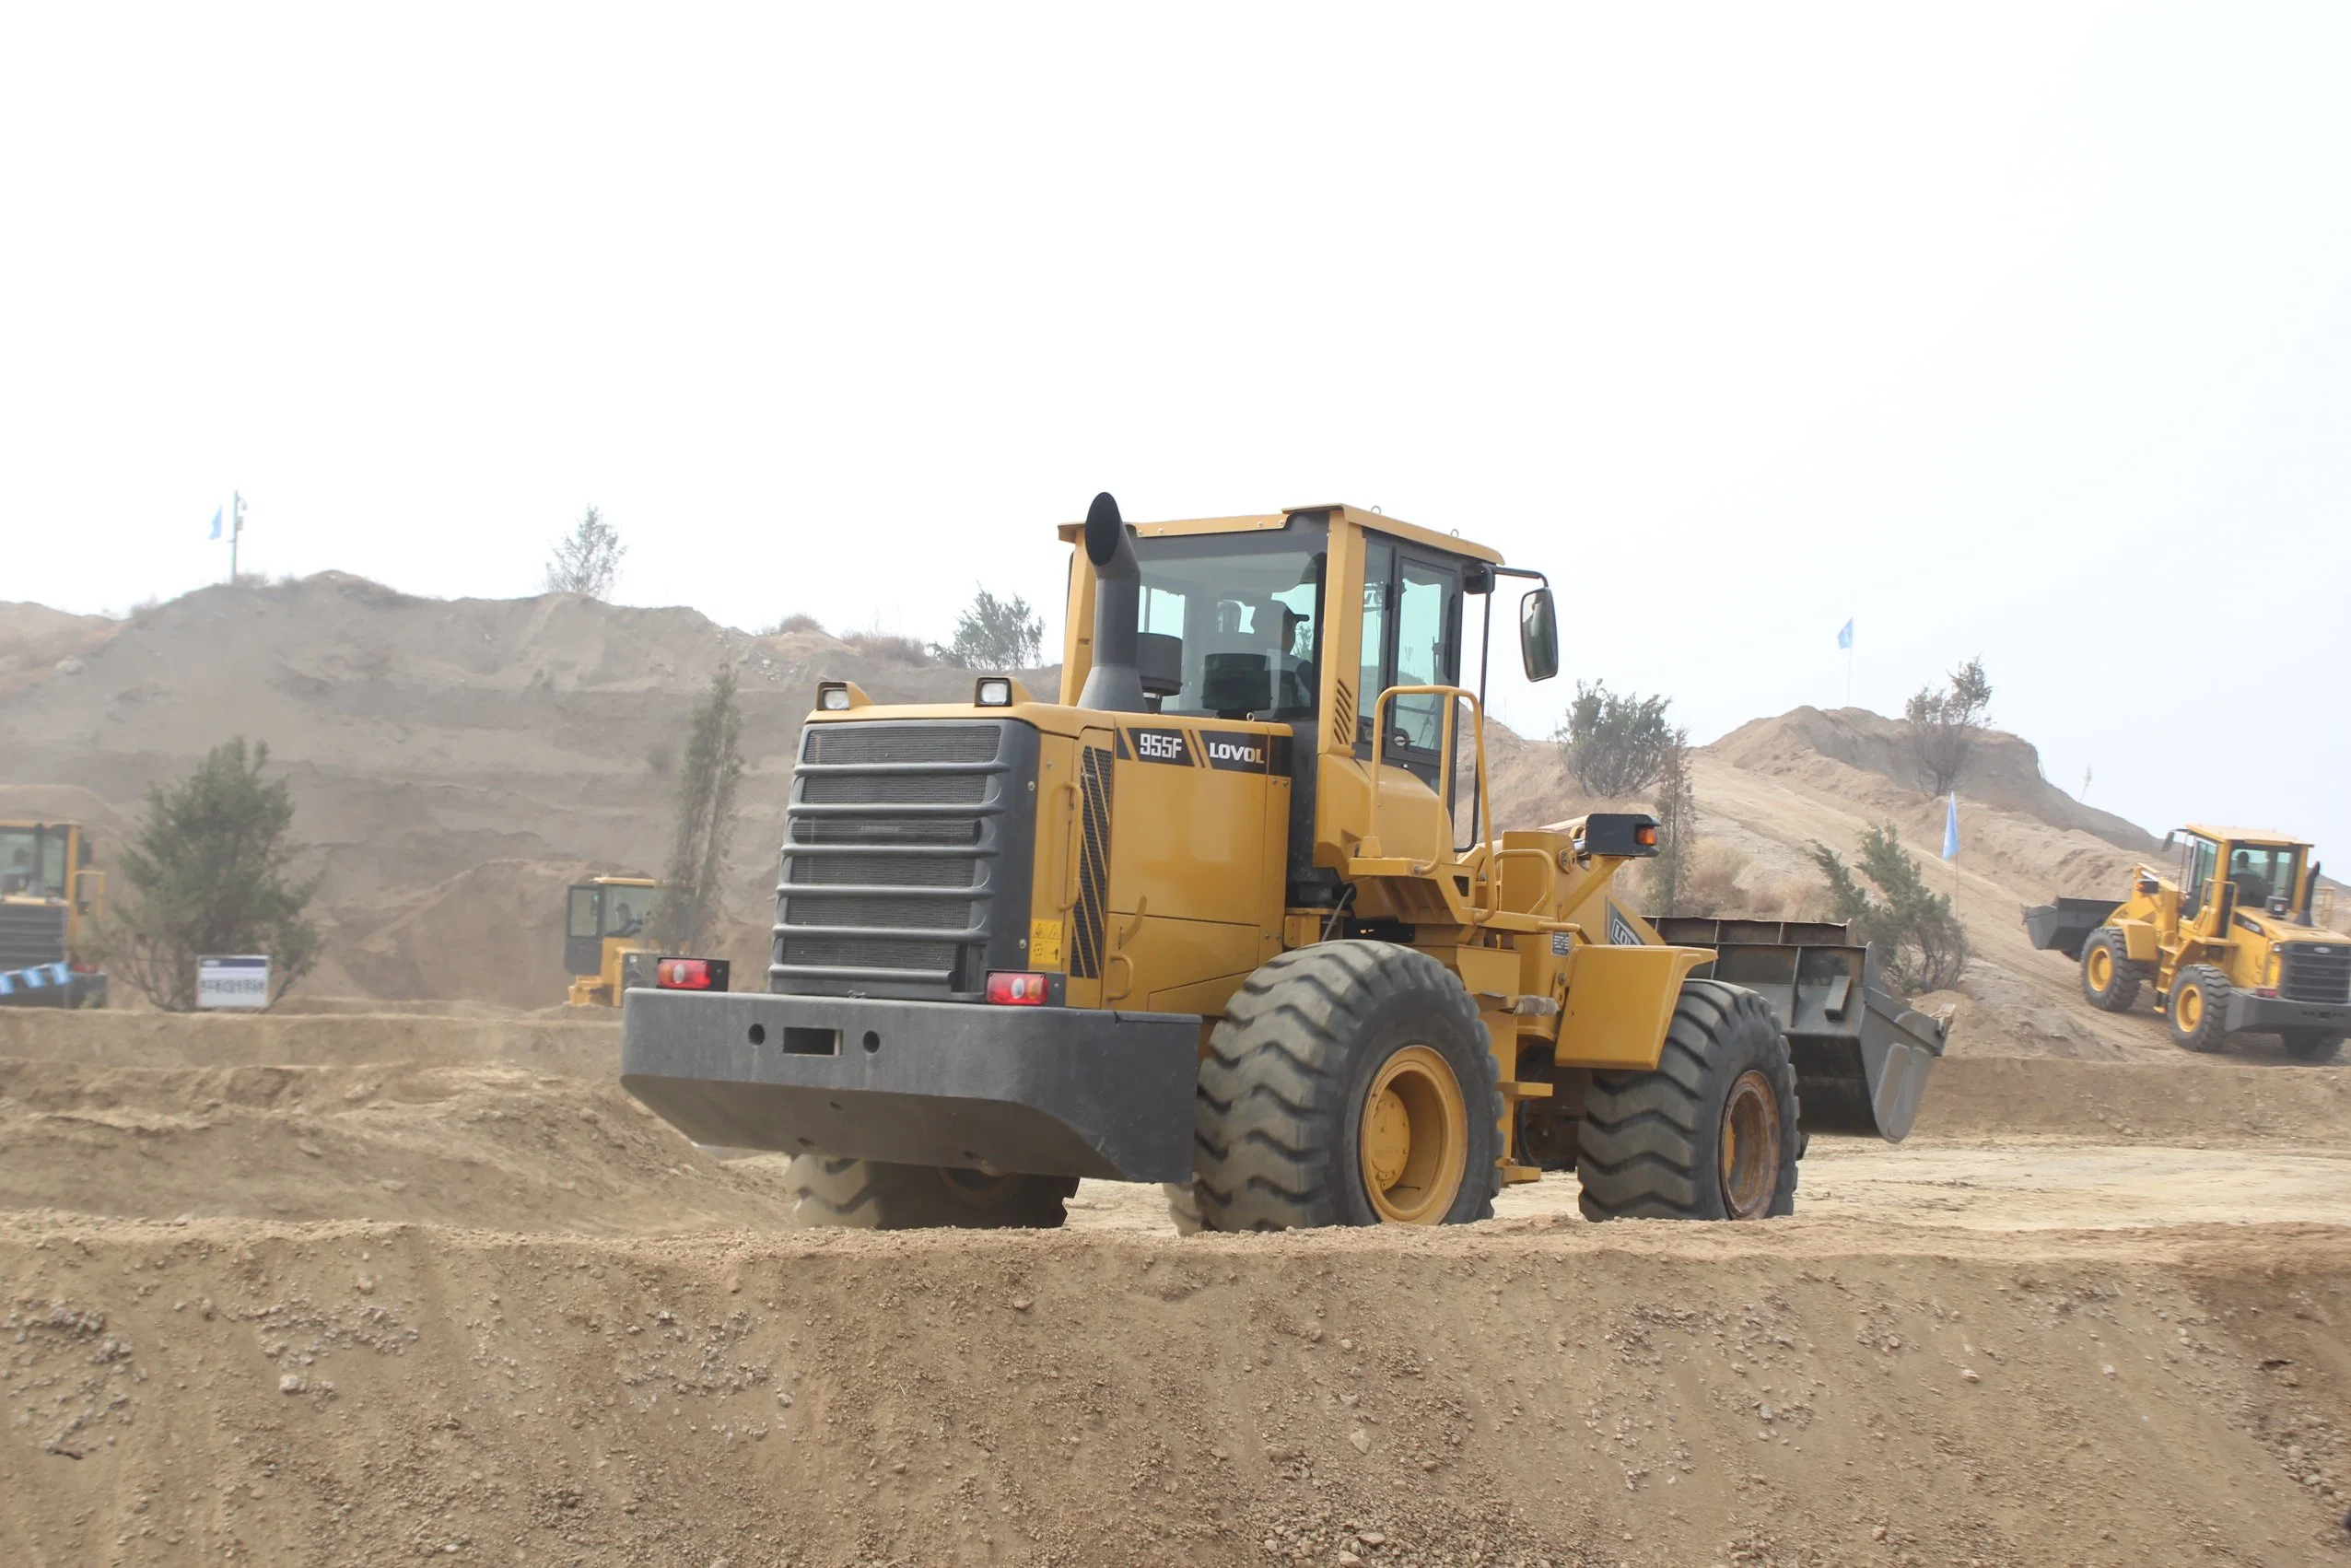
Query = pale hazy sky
x=2016 y=330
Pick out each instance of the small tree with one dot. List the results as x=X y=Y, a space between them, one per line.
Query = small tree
x=1921 y=944
x=1677 y=805
x=587 y=560
x=1943 y=725
x=994 y=634
x=705 y=819
x=211 y=873
x=1615 y=745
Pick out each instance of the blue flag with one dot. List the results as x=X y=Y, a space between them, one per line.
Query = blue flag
x=215 y=520
x=1952 y=828
x=1844 y=633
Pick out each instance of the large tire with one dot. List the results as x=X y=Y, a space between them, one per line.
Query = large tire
x=1349 y=1084
x=2197 y=1009
x=1712 y=1134
x=2311 y=1045
x=1183 y=1207
x=2110 y=979
x=870 y=1195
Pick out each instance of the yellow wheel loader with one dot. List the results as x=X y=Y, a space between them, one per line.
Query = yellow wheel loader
x=2236 y=939
x=50 y=893
x=604 y=922
x=1231 y=915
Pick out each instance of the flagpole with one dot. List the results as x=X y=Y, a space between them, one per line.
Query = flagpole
x=236 y=527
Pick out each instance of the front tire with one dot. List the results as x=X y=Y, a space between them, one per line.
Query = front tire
x=1712 y=1133
x=2311 y=1045
x=873 y=1195
x=2109 y=980
x=2198 y=1009
x=1349 y=1084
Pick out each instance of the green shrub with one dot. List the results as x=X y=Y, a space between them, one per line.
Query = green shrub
x=210 y=873
x=1921 y=944
x=1615 y=745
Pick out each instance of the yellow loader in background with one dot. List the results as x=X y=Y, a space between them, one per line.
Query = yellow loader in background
x=51 y=892
x=1231 y=915
x=604 y=922
x=2238 y=938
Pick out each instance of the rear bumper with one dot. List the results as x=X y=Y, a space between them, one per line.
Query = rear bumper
x=1045 y=1091
x=2250 y=1014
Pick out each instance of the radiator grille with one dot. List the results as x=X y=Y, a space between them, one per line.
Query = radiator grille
x=2315 y=973
x=880 y=870
x=31 y=934
x=889 y=857
x=857 y=743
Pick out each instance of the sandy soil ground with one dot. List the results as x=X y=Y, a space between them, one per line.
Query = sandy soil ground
x=375 y=1289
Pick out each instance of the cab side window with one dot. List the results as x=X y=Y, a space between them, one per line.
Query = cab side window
x=1412 y=638
x=2196 y=876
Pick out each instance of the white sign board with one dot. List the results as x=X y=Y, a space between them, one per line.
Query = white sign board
x=233 y=982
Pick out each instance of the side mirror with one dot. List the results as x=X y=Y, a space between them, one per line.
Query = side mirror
x=1538 y=635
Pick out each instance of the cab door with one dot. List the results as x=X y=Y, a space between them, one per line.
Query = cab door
x=1412 y=638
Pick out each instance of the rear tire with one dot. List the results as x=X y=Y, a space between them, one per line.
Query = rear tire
x=1712 y=1133
x=2198 y=1009
x=871 y=1195
x=2311 y=1045
x=1349 y=1084
x=2109 y=980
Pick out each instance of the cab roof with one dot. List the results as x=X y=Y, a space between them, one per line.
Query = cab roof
x=1452 y=543
x=2245 y=835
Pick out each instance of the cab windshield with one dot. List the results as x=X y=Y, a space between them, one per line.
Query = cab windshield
x=32 y=862
x=1248 y=610
x=2262 y=871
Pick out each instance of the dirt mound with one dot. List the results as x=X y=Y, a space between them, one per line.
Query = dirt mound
x=35 y=639
x=470 y=1145
x=2178 y=1100
x=1807 y=1392
x=424 y=737
x=494 y=933
x=2005 y=771
x=64 y=803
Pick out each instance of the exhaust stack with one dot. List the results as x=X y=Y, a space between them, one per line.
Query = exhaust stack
x=1115 y=683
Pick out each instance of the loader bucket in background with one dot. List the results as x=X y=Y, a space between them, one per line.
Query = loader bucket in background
x=1861 y=1056
x=2063 y=926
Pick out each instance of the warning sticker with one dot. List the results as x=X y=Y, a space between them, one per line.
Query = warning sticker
x=1045 y=944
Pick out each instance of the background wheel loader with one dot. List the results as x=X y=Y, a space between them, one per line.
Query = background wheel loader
x=50 y=893
x=1232 y=916
x=2237 y=940
x=604 y=922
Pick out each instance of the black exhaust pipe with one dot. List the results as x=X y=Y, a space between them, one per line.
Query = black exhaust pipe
x=1115 y=684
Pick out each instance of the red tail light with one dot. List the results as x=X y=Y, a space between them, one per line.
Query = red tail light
x=683 y=975
x=1016 y=991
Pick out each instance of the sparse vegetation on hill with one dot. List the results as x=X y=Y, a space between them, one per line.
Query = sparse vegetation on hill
x=994 y=634
x=1921 y=944
x=1616 y=745
x=705 y=819
x=587 y=560
x=1677 y=804
x=210 y=873
x=1946 y=724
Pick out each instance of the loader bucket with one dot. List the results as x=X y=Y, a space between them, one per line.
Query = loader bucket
x=2063 y=926
x=1861 y=1056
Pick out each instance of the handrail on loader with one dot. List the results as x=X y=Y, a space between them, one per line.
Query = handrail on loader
x=1481 y=806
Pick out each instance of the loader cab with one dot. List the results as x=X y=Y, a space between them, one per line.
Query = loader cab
x=2250 y=870
x=605 y=920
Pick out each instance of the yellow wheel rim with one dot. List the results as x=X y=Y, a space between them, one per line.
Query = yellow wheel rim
x=2188 y=1007
x=2102 y=968
x=1414 y=1140
x=1751 y=1166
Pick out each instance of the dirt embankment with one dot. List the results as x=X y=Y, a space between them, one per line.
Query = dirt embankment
x=1521 y=1393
